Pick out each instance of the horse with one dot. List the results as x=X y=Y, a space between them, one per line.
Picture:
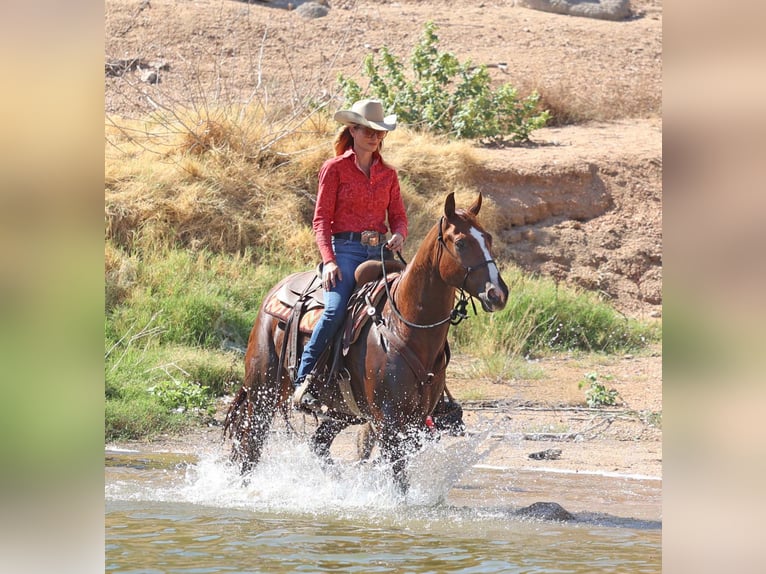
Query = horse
x=392 y=373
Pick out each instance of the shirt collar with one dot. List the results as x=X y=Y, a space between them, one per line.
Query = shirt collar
x=350 y=152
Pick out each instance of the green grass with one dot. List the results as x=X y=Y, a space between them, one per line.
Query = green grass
x=179 y=326
x=174 y=337
x=542 y=317
x=504 y=367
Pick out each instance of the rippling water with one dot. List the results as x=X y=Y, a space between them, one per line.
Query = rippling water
x=175 y=513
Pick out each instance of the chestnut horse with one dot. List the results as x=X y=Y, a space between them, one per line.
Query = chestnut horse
x=395 y=370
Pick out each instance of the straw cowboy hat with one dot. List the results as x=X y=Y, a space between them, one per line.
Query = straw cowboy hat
x=367 y=113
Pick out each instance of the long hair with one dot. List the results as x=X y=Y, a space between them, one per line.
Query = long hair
x=344 y=140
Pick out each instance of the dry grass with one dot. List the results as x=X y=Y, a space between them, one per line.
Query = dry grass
x=224 y=185
x=429 y=168
x=228 y=185
x=569 y=104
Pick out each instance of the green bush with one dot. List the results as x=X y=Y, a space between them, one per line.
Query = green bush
x=446 y=96
x=182 y=396
x=597 y=395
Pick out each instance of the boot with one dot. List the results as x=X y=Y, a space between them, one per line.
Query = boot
x=303 y=400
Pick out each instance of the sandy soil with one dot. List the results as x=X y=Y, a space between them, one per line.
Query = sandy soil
x=585 y=202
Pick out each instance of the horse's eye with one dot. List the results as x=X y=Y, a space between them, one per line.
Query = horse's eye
x=460 y=244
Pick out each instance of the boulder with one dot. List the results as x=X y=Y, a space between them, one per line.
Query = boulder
x=600 y=9
x=546 y=511
x=312 y=10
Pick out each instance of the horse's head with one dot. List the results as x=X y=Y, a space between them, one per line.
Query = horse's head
x=470 y=264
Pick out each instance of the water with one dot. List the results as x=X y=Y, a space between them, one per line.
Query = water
x=181 y=513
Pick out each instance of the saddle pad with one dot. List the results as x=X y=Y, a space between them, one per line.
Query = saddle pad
x=304 y=286
x=309 y=319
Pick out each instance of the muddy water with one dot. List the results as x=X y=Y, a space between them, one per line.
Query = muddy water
x=194 y=514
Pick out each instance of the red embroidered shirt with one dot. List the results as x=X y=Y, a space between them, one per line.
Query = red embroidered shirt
x=348 y=201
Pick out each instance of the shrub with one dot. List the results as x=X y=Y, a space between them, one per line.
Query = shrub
x=597 y=395
x=181 y=396
x=446 y=96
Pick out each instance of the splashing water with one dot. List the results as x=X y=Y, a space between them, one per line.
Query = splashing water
x=290 y=478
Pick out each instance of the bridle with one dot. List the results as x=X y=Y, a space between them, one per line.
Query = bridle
x=460 y=311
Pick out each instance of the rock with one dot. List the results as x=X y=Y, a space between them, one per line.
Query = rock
x=150 y=76
x=548 y=454
x=312 y=10
x=546 y=511
x=600 y=9
x=118 y=67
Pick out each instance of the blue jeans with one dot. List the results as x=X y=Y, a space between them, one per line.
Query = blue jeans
x=348 y=255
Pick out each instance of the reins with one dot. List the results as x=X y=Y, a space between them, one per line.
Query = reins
x=460 y=311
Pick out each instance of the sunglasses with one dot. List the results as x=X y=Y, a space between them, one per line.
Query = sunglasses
x=369 y=132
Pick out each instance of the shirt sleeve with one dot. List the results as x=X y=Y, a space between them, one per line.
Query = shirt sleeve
x=327 y=195
x=397 y=216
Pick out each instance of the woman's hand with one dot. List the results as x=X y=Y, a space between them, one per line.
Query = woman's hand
x=330 y=275
x=396 y=242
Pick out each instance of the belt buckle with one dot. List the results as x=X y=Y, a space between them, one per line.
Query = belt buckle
x=371 y=238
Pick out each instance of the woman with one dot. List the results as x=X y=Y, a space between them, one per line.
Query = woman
x=358 y=193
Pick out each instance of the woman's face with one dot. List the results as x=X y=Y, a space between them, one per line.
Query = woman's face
x=367 y=139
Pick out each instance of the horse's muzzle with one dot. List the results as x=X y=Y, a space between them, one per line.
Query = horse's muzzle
x=494 y=297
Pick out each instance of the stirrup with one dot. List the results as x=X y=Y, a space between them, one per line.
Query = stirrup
x=309 y=403
x=302 y=398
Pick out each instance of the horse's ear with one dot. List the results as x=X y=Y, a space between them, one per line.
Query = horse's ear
x=476 y=206
x=449 y=206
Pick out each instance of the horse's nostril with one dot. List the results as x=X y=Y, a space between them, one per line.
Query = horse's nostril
x=495 y=295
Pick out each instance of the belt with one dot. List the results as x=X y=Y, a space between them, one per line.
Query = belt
x=372 y=238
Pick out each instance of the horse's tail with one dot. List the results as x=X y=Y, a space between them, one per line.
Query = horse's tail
x=245 y=428
x=240 y=411
x=233 y=415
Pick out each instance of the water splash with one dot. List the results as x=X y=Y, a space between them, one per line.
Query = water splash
x=291 y=479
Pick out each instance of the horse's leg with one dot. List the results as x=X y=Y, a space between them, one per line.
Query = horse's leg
x=365 y=442
x=399 y=437
x=393 y=450
x=324 y=435
x=251 y=413
x=396 y=441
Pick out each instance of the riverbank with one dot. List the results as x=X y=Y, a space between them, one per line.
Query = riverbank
x=519 y=418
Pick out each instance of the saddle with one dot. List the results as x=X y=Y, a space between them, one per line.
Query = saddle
x=298 y=303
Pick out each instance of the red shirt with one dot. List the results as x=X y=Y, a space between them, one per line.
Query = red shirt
x=348 y=201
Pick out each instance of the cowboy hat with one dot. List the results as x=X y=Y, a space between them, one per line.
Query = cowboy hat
x=367 y=113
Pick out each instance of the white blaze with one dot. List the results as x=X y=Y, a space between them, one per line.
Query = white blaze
x=494 y=273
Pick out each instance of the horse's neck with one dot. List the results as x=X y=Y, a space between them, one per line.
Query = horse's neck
x=423 y=298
